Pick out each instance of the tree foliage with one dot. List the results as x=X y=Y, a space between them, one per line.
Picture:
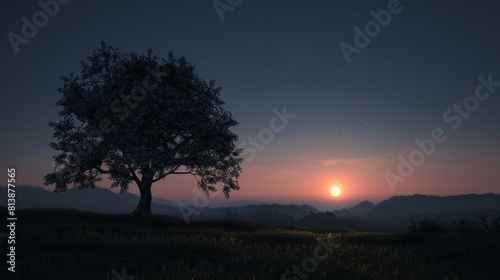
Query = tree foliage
x=139 y=118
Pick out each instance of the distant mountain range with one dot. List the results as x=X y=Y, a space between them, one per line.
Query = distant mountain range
x=397 y=210
x=400 y=209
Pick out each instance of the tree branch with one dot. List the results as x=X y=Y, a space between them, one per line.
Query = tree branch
x=134 y=176
x=168 y=173
x=183 y=172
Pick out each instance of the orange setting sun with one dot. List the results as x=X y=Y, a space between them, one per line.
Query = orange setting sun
x=335 y=191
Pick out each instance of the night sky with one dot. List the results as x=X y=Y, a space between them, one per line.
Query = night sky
x=352 y=121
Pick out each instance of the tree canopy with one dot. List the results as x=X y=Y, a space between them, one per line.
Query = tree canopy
x=139 y=118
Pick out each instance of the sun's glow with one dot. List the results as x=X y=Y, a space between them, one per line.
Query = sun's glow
x=335 y=191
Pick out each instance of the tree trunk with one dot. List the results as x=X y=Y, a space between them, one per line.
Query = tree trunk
x=144 y=206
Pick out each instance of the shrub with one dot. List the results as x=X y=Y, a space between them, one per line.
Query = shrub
x=428 y=225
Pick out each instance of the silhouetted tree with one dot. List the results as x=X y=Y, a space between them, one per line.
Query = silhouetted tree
x=139 y=118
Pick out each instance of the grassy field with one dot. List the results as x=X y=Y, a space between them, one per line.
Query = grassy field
x=64 y=244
